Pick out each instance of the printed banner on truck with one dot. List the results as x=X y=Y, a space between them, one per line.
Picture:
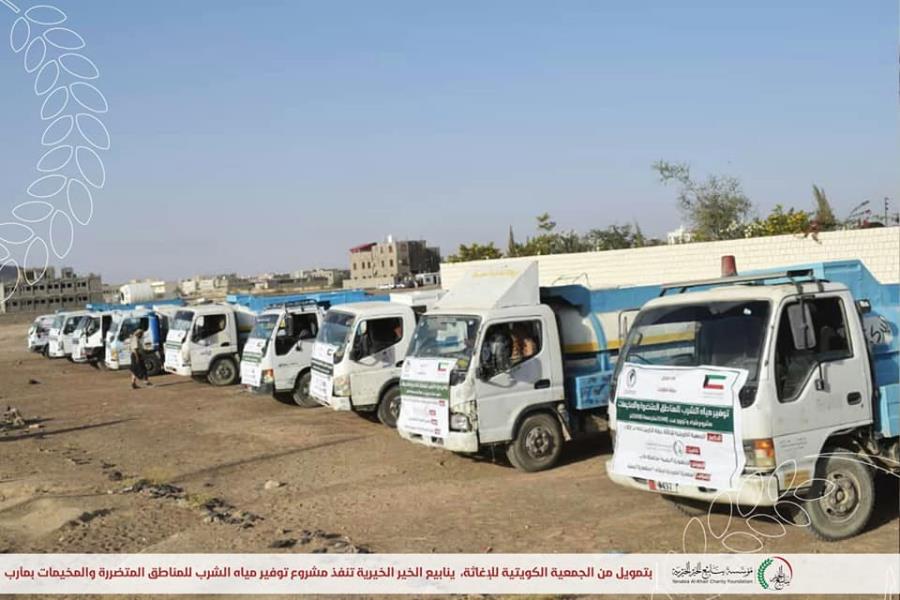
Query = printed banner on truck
x=679 y=425
x=425 y=396
x=420 y=575
x=321 y=377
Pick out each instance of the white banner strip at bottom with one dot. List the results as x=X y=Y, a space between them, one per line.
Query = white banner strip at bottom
x=420 y=574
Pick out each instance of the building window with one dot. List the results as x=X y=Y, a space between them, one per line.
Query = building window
x=392 y=262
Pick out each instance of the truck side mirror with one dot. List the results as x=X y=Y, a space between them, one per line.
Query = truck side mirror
x=800 y=321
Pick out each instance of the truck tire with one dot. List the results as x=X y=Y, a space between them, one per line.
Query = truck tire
x=222 y=372
x=45 y=351
x=538 y=444
x=152 y=364
x=842 y=499
x=688 y=506
x=389 y=407
x=300 y=395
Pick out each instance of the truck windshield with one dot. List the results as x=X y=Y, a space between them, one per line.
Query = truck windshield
x=72 y=323
x=58 y=322
x=336 y=328
x=183 y=320
x=445 y=336
x=719 y=334
x=265 y=325
x=81 y=325
x=129 y=326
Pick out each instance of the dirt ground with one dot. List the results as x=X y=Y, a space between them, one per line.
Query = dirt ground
x=347 y=482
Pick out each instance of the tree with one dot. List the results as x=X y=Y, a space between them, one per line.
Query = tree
x=475 y=251
x=545 y=224
x=511 y=246
x=550 y=241
x=615 y=237
x=716 y=208
x=824 y=219
x=780 y=222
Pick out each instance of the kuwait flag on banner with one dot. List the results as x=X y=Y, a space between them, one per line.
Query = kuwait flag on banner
x=714 y=382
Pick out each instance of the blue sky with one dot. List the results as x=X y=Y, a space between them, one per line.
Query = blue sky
x=255 y=136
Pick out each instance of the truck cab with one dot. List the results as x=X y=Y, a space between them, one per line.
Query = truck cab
x=154 y=322
x=808 y=361
x=359 y=350
x=206 y=341
x=59 y=338
x=89 y=337
x=38 y=333
x=277 y=355
x=502 y=362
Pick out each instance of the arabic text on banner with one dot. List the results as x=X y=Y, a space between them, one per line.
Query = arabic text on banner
x=679 y=425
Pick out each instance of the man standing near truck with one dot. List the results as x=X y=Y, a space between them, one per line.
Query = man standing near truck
x=138 y=369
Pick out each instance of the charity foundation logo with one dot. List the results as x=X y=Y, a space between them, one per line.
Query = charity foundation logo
x=632 y=378
x=775 y=574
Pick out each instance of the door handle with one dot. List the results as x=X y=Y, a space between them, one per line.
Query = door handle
x=542 y=384
x=224 y=344
x=854 y=398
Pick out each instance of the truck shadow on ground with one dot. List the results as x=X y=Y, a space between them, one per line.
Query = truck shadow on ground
x=572 y=452
x=42 y=434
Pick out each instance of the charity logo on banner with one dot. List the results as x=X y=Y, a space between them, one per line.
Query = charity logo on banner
x=425 y=396
x=679 y=425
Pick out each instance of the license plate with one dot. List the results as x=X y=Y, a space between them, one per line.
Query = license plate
x=664 y=486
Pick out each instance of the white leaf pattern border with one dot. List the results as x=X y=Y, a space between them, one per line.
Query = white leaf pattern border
x=72 y=169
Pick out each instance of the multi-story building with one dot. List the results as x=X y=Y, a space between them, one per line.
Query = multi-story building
x=49 y=293
x=391 y=262
x=214 y=285
x=326 y=278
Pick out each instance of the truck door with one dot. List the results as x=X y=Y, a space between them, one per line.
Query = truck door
x=294 y=340
x=211 y=336
x=378 y=345
x=821 y=377
x=513 y=373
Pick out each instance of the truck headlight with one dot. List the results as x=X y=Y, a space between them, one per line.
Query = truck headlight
x=341 y=385
x=459 y=422
x=268 y=376
x=760 y=453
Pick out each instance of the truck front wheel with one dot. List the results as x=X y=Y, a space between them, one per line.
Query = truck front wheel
x=301 y=392
x=842 y=497
x=538 y=444
x=389 y=407
x=222 y=372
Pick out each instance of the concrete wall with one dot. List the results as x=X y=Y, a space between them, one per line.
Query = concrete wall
x=879 y=249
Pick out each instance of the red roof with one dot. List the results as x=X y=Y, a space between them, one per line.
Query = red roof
x=362 y=247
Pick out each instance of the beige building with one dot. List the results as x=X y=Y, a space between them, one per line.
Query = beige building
x=50 y=293
x=391 y=262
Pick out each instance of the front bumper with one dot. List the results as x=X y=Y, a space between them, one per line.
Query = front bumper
x=336 y=402
x=464 y=442
x=183 y=371
x=263 y=389
x=56 y=352
x=753 y=490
